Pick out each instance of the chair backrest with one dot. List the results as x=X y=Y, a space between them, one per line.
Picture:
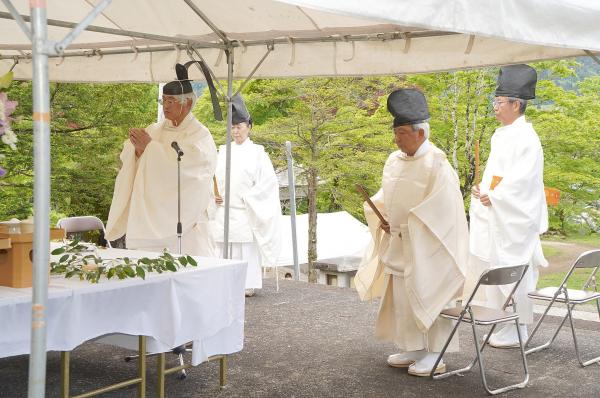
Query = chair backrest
x=83 y=224
x=589 y=259
x=80 y=224
x=502 y=276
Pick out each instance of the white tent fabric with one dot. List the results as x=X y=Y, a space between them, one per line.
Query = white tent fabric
x=309 y=37
x=341 y=239
x=554 y=23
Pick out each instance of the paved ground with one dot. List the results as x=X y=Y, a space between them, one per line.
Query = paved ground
x=316 y=341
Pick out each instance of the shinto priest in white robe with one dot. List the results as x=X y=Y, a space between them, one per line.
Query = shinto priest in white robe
x=254 y=209
x=507 y=233
x=144 y=205
x=417 y=269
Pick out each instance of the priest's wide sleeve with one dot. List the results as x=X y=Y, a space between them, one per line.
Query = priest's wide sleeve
x=264 y=209
x=116 y=225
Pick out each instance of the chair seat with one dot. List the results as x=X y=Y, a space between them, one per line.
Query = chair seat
x=483 y=315
x=575 y=296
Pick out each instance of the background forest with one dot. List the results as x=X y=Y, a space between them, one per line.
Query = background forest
x=340 y=130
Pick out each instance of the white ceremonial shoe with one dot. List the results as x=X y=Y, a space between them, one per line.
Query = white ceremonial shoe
x=423 y=366
x=508 y=337
x=250 y=292
x=405 y=359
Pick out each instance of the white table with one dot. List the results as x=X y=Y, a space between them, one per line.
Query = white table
x=203 y=304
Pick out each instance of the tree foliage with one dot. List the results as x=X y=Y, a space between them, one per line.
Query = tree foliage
x=339 y=127
x=89 y=124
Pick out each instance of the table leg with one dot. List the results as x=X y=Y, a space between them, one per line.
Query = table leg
x=65 y=359
x=142 y=366
x=161 y=375
x=65 y=376
x=223 y=371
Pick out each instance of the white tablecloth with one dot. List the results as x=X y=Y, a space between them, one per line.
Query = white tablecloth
x=203 y=304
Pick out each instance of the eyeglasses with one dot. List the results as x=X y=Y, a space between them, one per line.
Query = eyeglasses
x=168 y=101
x=497 y=102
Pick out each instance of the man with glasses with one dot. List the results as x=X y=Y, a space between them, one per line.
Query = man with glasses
x=144 y=205
x=418 y=254
x=508 y=209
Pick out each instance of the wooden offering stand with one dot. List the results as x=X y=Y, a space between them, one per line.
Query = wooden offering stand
x=16 y=255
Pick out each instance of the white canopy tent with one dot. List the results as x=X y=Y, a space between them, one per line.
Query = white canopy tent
x=140 y=40
x=339 y=237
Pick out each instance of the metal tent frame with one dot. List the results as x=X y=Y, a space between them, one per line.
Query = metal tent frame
x=43 y=49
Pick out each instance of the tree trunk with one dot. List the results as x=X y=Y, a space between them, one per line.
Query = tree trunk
x=456 y=93
x=471 y=136
x=312 y=224
x=312 y=177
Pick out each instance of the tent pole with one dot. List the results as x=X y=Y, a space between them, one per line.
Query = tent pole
x=292 y=193
x=118 y=32
x=226 y=251
x=591 y=54
x=270 y=47
x=210 y=23
x=41 y=49
x=191 y=52
x=41 y=200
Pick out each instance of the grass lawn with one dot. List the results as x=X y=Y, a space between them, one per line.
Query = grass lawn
x=591 y=240
x=579 y=276
x=576 y=280
x=550 y=251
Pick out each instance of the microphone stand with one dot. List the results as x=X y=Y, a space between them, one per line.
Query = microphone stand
x=180 y=350
x=179 y=228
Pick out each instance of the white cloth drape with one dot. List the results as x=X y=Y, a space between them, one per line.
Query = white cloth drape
x=203 y=304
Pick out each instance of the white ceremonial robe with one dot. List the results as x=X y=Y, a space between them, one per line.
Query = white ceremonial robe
x=417 y=268
x=144 y=205
x=254 y=209
x=507 y=233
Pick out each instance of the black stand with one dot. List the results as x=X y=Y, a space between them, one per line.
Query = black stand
x=179 y=351
x=179 y=228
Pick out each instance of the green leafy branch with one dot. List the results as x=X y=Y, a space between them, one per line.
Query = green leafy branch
x=76 y=261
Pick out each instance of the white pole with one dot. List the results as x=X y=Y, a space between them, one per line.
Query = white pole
x=41 y=200
x=226 y=252
x=41 y=48
x=159 y=111
x=292 y=193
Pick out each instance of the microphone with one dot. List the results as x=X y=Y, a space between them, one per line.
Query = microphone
x=175 y=146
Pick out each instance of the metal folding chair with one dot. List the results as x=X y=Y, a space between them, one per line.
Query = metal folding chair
x=569 y=297
x=479 y=315
x=81 y=224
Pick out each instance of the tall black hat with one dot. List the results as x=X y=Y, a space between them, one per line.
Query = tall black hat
x=182 y=85
x=239 y=112
x=408 y=106
x=517 y=81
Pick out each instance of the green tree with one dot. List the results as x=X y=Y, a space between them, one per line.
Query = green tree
x=89 y=124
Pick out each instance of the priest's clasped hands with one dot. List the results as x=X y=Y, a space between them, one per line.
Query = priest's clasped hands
x=139 y=138
x=484 y=199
